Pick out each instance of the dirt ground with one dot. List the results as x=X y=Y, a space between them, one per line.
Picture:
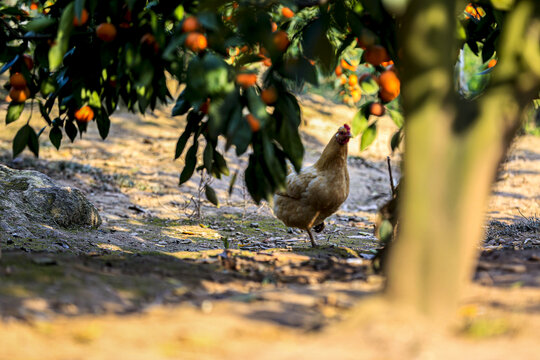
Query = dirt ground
x=170 y=276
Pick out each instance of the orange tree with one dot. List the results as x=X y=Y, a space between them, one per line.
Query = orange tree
x=238 y=61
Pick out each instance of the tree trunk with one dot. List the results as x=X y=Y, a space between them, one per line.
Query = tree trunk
x=452 y=151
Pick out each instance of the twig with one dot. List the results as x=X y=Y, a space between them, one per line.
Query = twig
x=391 y=177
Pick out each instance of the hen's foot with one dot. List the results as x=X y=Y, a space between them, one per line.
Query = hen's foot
x=319 y=227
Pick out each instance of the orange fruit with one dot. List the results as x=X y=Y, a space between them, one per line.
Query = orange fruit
x=196 y=42
x=281 y=40
x=266 y=61
x=339 y=70
x=376 y=54
x=343 y=79
x=344 y=64
x=353 y=80
x=33 y=6
x=376 y=109
x=19 y=95
x=253 y=122
x=288 y=13
x=17 y=81
x=235 y=5
x=106 y=32
x=269 y=96
x=389 y=81
x=492 y=63
x=148 y=39
x=387 y=63
x=356 y=95
x=246 y=80
x=84 y=114
x=190 y=24
x=82 y=20
x=28 y=61
x=274 y=26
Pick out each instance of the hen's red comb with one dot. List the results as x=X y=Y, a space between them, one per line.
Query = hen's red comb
x=347 y=127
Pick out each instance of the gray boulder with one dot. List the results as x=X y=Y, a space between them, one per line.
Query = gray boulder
x=32 y=204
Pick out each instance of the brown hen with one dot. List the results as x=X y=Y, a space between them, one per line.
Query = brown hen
x=317 y=191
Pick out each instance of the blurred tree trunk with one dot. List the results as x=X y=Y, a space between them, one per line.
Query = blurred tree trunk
x=452 y=151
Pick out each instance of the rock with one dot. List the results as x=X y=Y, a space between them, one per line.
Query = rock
x=32 y=204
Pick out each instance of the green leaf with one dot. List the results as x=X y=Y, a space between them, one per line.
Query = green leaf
x=239 y=133
x=316 y=44
x=14 y=112
x=79 y=6
x=40 y=24
x=256 y=106
x=179 y=12
x=211 y=195
x=369 y=86
x=71 y=130
x=397 y=118
x=191 y=161
x=360 y=120
x=396 y=140
x=57 y=51
x=368 y=136
x=208 y=156
x=103 y=124
x=44 y=113
x=21 y=139
x=182 y=106
x=33 y=142
x=232 y=182
x=220 y=163
x=55 y=135
x=385 y=231
x=192 y=125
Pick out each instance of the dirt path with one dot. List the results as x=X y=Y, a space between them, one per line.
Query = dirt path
x=154 y=265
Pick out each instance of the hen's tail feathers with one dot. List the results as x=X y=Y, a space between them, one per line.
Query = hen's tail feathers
x=319 y=227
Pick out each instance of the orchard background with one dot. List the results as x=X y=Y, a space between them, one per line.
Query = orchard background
x=456 y=79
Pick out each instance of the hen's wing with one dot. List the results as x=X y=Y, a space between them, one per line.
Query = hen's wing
x=298 y=183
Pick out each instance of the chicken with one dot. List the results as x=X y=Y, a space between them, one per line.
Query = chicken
x=317 y=191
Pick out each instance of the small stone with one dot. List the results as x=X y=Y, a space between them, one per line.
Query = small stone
x=254 y=225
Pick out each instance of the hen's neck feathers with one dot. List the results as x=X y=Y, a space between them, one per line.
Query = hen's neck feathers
x=333 y=156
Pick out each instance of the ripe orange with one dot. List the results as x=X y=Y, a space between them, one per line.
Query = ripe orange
x=17 y=81
x=339 y=70
x=19 y=95
x=196 y=42
x=82 y=20
x=253 y=122
x=356 y=95
x=266 y=61
x=148 y=39
x=492 y=63
x=246 y=80
x=269 y=95
x=343 y=79
x=389 y=86
x=33 y=6
x=344 y=64
x=376 y=109
x=84 y=114
x=106 y=32
x=281 y=40
x=28 y=61
x=288 y=13
x=376 y=54
x=353 y=80
x=274 y=26
x=191 y=24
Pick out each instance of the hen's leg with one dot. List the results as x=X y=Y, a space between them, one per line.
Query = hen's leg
x=311 y=238
x=319 y=227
